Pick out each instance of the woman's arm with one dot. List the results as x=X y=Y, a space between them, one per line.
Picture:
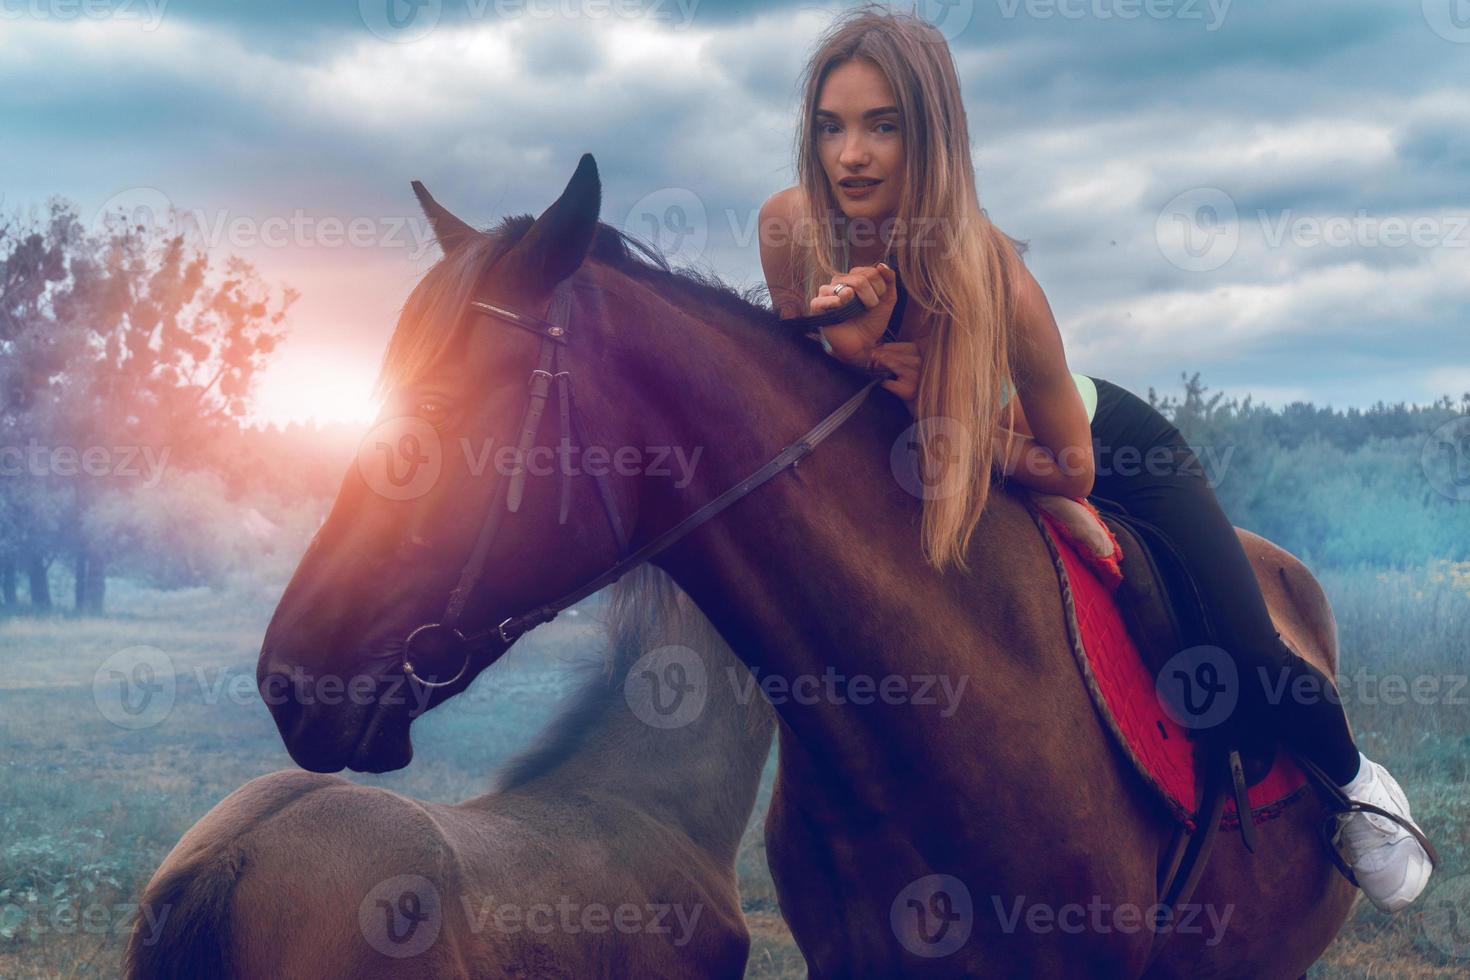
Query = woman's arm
x=1026 y=455
x=852 y=341
x=1032 y=464
x=1057 y=457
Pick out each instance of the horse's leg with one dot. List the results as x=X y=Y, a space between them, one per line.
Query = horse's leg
x=1268 y=914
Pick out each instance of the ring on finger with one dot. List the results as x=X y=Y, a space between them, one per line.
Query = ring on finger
x=837 y=289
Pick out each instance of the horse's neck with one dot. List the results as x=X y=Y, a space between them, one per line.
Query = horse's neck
x=697 y=767
x=820 y=569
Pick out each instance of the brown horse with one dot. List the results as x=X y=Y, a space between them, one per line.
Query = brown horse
x=606 y=850
x=948 y=802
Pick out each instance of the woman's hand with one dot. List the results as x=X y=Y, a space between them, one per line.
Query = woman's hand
x=1079 y=518
x=853 y=340
x=905 y=360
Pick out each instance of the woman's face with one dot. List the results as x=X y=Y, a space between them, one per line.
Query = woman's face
x=860 y=140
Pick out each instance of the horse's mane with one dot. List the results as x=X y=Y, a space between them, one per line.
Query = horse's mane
x=426 y=324
x=644 y=262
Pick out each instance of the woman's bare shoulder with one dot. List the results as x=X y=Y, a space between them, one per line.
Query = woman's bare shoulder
x=776 y=225
x=784 y=204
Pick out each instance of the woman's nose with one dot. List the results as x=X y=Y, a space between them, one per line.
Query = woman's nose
x=854 y=152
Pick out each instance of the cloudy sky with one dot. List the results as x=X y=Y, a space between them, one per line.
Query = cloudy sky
x=1275 y=194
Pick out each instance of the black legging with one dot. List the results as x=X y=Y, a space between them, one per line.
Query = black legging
x=1172 y=491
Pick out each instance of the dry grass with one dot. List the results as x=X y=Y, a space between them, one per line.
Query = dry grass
x=87 y=810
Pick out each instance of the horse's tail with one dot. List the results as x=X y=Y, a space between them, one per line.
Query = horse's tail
x=182 y=926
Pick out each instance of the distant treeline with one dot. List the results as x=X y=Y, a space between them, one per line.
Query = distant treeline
x=1388 y=485
x=128 y=358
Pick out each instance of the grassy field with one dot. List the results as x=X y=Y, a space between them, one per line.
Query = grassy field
x=88 y=808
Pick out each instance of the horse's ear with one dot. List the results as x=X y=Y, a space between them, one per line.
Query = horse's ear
x=554 y=247
x=449 y=231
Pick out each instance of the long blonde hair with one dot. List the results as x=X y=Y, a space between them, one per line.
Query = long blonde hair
x=962 y=289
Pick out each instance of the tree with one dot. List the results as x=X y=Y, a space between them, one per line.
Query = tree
x=33 y=253
x=122 y=343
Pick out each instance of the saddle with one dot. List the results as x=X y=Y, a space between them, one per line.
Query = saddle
x=1129 y=613
x=1162 y=607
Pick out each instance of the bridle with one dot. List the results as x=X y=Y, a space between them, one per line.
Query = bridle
x=509 y=492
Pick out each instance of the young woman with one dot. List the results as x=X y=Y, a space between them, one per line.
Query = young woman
x=886 y=185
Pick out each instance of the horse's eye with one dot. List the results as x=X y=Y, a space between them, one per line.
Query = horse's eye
x=432 y=411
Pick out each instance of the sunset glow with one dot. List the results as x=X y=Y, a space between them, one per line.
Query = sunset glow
x=310 y=386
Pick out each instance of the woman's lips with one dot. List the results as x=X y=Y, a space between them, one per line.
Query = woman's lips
x=862 y=190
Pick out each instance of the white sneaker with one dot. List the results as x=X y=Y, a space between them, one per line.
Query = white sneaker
x=1391 y=866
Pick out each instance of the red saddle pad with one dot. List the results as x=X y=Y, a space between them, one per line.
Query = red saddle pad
x=1124 y=693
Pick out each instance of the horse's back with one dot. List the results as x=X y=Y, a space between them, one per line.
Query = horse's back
x=298 y=874
x=184 y=919
x=1298 y=606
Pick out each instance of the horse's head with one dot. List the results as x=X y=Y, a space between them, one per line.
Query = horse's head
x=402 y=534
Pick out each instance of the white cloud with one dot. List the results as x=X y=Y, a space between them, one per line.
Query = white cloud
x=509 y=103
x=1224 y=322
x=1453 y=380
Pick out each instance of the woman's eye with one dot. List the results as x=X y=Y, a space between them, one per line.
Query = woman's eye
x=888 y=127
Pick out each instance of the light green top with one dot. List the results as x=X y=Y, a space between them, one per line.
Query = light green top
x=1085 y=387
